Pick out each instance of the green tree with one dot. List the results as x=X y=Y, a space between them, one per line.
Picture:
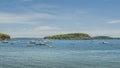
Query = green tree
x=4 y=36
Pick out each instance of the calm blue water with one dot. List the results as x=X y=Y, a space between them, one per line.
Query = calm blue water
x=62 y=54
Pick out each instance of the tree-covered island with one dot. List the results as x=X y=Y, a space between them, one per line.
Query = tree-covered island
x=104 y=37
x=71 y=36
x=4 y=37
x=77 y=36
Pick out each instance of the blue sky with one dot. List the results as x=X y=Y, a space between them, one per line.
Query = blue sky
x=38 y=18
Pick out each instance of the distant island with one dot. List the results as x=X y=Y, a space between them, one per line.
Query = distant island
x=104 y=37
x=4 y=37
x=77 y=36
x=71 y=36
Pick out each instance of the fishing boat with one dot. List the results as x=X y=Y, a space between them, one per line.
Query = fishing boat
x=5 y=42
x=32 y=42
x=105 y=42
x=40 y=43
x=36 y=42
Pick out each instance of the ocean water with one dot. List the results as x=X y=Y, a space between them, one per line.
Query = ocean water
x=62 y=54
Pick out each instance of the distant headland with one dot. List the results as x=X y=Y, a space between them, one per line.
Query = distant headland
x=4 y=37
x=71 y=36
x=77 y=36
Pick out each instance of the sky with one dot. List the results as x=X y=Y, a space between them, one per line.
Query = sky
x=39 y=18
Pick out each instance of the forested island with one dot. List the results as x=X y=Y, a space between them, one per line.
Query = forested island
x=77 y=36
x=4 y=37
x=104 y=37
x=71 y=36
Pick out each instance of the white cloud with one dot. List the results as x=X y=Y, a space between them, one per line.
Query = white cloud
x=31 y=17
x=45 y=28
x=114 y=21
x=19 y=18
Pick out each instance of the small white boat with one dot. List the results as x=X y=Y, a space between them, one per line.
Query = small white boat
x=47 y=41
x=5 y=42
x=40 y=43
x=105 y=42
x=36 y=42
x=50 y=46
x=32 y=42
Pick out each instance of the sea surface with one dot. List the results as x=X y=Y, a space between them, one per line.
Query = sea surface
x=18 y=53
